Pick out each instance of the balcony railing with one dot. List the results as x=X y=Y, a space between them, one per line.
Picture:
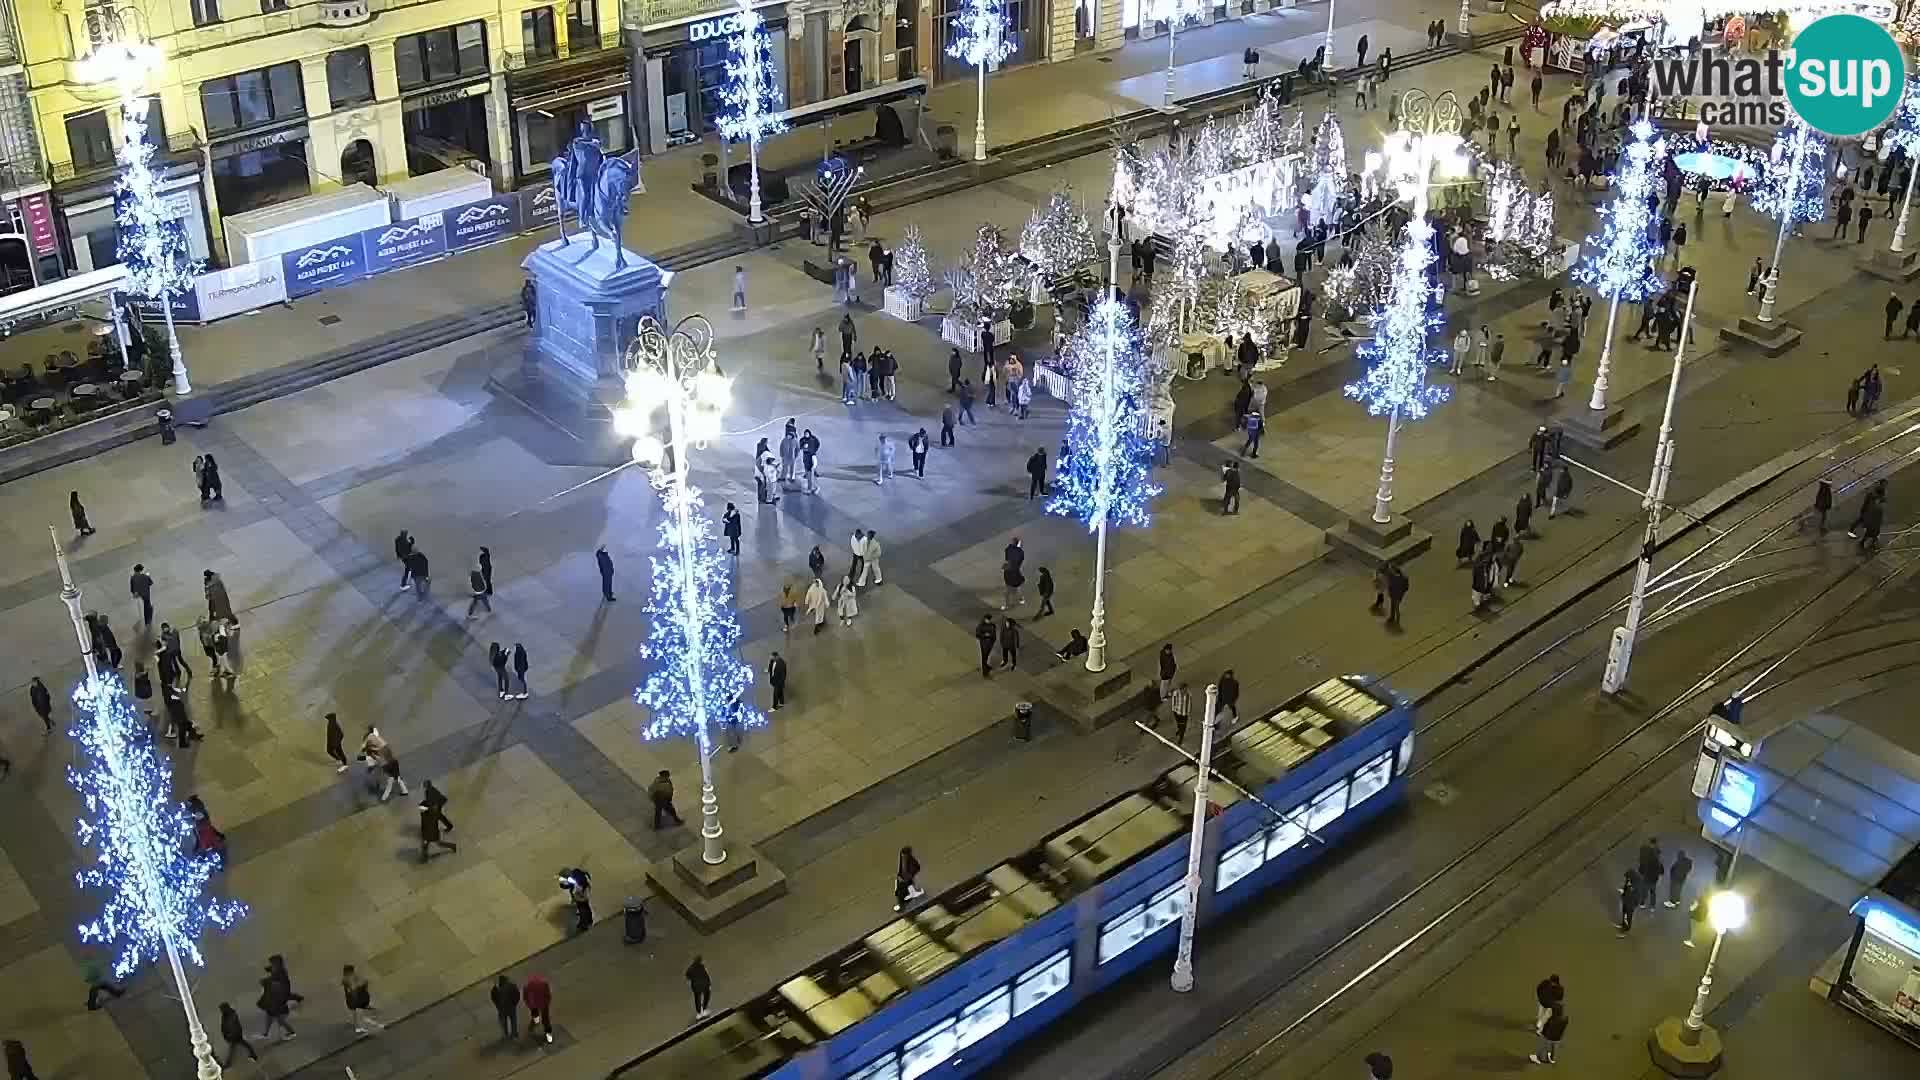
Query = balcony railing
x=522 y=59
x=178 y=144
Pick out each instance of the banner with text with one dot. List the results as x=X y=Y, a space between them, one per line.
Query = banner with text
x=322 y=266
x=404 y=243
x=480 y=223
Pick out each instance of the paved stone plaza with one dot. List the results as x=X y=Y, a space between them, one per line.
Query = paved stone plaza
x=892 y=735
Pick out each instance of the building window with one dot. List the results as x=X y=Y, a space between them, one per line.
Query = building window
x=252 y=98
x=89 y=139
x=583 y=26
x=451 y=52
x=156 y=124
x=350 y=76
x=205 y=12
x=536 y=33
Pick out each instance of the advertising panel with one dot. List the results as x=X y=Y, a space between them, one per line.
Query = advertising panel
x=539 y=207
x=404 y=243
x=186 y=307
x=243 y=288
x=324 y=265
x=483 y=222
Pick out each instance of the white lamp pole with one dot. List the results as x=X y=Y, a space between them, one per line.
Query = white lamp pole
x=1726 y=911
x=1328 y=65
x=1466 y=17
x=1771 y=283
x=1620 y=654
x=1906 y=203
x=980 y=113
x=1190 y=909
x=206 y=1066
x=1597 y=401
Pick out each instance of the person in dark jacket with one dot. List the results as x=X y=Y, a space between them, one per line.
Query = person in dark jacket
x=140 y=584
x=904 y=889
x=1562 y=490
x=235 y=1034
x=1548 y=994
x=1469 y=544
x=1871 y=516
x=498 y=657
x=1629 y=900
x=422 y=576
x=1523 y=516
x=477 y=592
x=336 y=742
x=42 y=699
x=1499 y=534
x=529 y=302
x=1652 y=868
x=433 y=819
x=701 y=984
x=660 y=793
x=1009 y=643
x=986 y=636
x=954 y=367
x=80 y=524
x=1677 y=876
x=1482 y=580
x=1552 y=1030
x=1229 y=696
x=1037 y=473
x=605 y=562
x=274 y=1004
x=777 y=680
x=1044 y=586
x=1508 y=561
x=1397 y=585
x=520 y=670
x=1823 y=498
x=403 y=547
x=1169 y=667
x=506 y=1006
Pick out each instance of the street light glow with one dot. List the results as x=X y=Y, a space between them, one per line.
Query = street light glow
x=1726 y=911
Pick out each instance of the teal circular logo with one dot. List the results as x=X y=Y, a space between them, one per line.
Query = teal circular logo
x=1845 y=75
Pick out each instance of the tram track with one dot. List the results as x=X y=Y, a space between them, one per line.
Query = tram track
x=1646 y=751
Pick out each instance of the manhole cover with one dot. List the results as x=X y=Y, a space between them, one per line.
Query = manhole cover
x=329 y=320
x=1440 y=793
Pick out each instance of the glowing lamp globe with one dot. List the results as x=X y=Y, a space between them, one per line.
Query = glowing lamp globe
x=1727 y=911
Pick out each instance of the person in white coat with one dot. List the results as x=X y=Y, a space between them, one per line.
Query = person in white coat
x=769 y=469
x=870 y=561
x=1462 y=345
x=817 y=605
x=846 y=601
x=883 y=454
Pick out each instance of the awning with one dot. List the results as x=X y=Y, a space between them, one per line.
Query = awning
x=64 y=293
x=859 y=101
x=599 y=88
x=1823 y=801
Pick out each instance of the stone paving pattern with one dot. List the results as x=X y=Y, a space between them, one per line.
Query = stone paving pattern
x=892 y=736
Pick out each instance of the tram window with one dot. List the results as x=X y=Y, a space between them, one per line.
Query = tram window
x=1240 y=860
x=887 y=1068
x=1406 y=751
x=1167 y=905
x=1283 y=837
x=1327 y=807
x=1123 y=933
x=927 y=1052
x=1371 y=778
x=984 y=1017
x=1041 y=981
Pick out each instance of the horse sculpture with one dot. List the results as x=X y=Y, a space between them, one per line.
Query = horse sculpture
x=596 y=188
x=617 y=181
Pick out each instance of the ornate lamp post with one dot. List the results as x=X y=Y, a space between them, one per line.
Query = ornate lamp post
x=697 y=677
x=1690 y=1047
x=980 y=38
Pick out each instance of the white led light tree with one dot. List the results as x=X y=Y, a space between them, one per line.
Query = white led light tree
x=154 y=888
x=752 y=96
x=1058 y=238
x=1904 y=133
x=1623 y=265
x=1794 y=192
x=980 y=38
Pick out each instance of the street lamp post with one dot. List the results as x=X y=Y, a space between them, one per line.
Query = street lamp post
x=1690 y=1046
x=1726 y=911
x=1190 y=908
x=206 y=1066
x=1620 y=654
x=1770 y=284
x=676 y=371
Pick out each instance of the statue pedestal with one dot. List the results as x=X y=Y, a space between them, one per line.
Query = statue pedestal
x=588 y=312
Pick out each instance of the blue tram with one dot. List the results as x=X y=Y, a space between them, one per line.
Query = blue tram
x=946 y=988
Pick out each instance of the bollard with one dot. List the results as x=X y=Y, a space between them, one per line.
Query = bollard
x=1023 y=721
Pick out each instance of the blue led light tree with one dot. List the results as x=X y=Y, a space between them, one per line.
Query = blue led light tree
x=1794 y=191
x=1626 y=252
x=1395 y=385
x=752 y=96
x=1106 y=478
x=155 y=890
x=1903 y=133
x=696 y=678
x=980 y=38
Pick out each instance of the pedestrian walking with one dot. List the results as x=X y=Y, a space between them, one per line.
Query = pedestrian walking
x=739 y=288
x=1230 y=487
x=730 y=528
x=42 y=700
x=790 y=595
x=1893 y=313
x=1482 y=574
x=816 y=601
x=1360 y=52
x=777 y=679
x=1228 y=699
x=1652 y=868
x=231 y=1030
x=701 y=984
x=539 y=999
x=80 y=524
x=1871 y=517
x=966 y=402
x=1552 y=1030
x=1548 y=994
x=947 y=416
x=660 y=792
x=1255 y=425
x=1012 y=577
x=905 y=873
x=403 y=547
x=433 y=821
x=506 y=1006
x=1822 y=503
x=1629 y=901
x=140 y=585
x=380 y=760
x=529 y=303
x=421 y=570
x=1009 y=643
x=986 y=636
x=1036 y=473
x=213 y=643
x=336 y=742
x=1043 y=585
x=519 y=676
x=485 y=561
x=846 y=601
x=1509 y=562
x=1468 y=545
x=917 y=447
x=275 y=1004
x=1562 y=490
x=359 y=998
x=605 y=562
x=810 y=460
x=870 y=553
x=1523 y=516
x=1677 y=873
x=477 y=589
x=1397 y=586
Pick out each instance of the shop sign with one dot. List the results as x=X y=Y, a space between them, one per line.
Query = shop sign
x=403 y=243
x=708 y=29
x=442 y=97
x=251 y=143
x=606 y=108
x=539 y=207
x=335 y=262
x=246 y=287
x=483 y=222
x=186 y=307
x=37 y=212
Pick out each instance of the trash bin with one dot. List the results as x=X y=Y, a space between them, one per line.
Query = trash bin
x=167 y=435
x=1023 y=721
x=634 y=921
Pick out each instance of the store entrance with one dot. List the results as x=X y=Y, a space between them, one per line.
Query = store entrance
x=856 y=77
x=442 y=136
x=257 y=178
x=1086 y=21
x=356 y=164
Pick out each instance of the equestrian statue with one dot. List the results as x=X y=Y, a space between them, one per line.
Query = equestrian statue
x=596 y=188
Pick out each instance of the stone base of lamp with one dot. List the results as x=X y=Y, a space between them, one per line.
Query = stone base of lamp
x=1376 y=544
x=712 y=896
x=1596 y=429
x=1465 y=41
x=1679 y=1052
x=1771 y=338
x=1093 y=699
x=1892 y=266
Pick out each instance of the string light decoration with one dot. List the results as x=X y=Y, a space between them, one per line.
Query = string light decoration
x=1520 y=225
x=151 y=245
x=1363 y=279
x=750 y=99
x=1903 y=134
x=1327 y=166
x=155 y=888
x=1058 y=238
x=1625 y=251
x=980 y=38
x=1794 y=187
x=1395 y=383
x=912 y=269
x=990 y=282
x=1106 y=478
x=1218 y=174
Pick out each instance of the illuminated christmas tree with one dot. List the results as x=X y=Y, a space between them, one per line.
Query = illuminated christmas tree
x=151 y=244
x=1363 y=278
x=912 y=270
x=1326 y=169
x=1520 y=225
x=1058 y=239
x=1794 y=189
x=751 y=98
